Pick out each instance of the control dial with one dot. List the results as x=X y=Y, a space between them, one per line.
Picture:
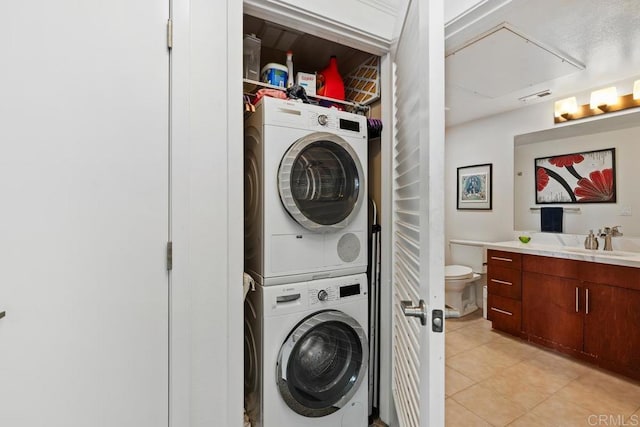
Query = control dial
x=323 y=295
x=323 y=120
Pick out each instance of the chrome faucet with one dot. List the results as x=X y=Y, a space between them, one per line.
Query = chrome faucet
x=608 y=233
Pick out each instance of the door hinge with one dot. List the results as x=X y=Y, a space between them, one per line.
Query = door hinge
x=169 y=256
x=169 y=34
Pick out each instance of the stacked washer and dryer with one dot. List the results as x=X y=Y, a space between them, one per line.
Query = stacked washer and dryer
x=306 y=344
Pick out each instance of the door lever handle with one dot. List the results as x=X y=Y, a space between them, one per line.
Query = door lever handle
x=419 y=310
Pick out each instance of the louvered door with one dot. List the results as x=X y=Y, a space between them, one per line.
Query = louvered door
x=418 y=216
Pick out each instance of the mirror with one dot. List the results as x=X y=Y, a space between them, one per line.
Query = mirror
x=621 y=132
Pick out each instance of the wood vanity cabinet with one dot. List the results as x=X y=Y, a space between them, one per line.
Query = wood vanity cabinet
x=585 y=309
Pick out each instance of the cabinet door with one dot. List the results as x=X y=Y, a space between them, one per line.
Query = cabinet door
x=552 y=310
x=84 y=187
x=612 y=322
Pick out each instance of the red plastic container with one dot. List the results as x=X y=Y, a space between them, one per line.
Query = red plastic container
x=329 y=81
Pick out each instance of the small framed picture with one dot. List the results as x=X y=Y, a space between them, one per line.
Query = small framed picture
x=474 y=187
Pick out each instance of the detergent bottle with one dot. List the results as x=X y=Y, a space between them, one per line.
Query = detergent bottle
x=329 y=82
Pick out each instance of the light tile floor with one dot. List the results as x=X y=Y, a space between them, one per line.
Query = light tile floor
x=494 y=379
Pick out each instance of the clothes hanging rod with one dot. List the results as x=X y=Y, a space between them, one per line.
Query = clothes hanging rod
x=564 y=209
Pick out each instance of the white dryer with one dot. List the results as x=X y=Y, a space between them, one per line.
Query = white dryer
x=306 y=354
x=305 y=192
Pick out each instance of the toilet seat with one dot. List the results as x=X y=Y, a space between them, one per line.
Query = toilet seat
x=457 y=272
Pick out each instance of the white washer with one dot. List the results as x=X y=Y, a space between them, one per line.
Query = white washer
x=306 y=354
x=305 y=192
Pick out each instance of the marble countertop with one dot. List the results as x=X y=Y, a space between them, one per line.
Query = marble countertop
x=615 y=257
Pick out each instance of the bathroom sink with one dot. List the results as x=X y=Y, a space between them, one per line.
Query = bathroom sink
x=602 y=253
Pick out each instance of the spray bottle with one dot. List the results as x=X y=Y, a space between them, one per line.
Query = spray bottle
x=290 y=78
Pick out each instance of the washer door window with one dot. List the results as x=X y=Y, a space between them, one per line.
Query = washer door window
x=322 y=363
x=320 y=182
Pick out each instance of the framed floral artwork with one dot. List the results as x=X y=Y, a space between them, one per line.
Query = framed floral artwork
x=588 y=177
x=474 y=187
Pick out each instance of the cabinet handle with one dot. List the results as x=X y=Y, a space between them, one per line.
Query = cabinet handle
x=577 y=304
x=586 y=303
x=502 y=311
x=502 y=282
x=2 y=314
x=497 y=258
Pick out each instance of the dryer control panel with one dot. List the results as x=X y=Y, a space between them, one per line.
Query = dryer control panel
x=322 y=120
x=315 y=118
x=337 y=121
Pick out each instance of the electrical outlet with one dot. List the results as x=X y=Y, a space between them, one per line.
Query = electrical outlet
x=625 y=211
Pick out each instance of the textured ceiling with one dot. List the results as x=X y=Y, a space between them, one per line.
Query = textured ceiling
x=503 y=61
x=604 y=36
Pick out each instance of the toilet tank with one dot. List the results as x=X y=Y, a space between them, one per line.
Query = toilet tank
x=470 y=253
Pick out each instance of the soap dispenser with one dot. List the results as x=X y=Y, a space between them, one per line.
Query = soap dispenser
x=591 y=241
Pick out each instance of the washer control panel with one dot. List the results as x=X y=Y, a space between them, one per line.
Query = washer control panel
x=328 y=293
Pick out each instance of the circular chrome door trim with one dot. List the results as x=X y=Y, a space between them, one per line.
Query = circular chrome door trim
x=284 y=181
x=299 y=332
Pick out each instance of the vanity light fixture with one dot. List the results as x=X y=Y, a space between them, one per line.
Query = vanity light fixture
x=565 y=108
x=602 y=101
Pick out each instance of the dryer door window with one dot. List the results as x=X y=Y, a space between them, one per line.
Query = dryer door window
x=322 y=363
x=321 y=183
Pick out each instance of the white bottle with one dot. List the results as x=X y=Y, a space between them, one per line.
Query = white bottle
x=290 y=79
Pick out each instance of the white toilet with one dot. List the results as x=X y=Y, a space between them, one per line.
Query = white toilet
x=464 y=277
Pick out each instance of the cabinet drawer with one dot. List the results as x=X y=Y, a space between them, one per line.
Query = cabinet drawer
x=505 y=314
x=559 y=267
x=504 y=259
x=612 y=275
x=505 y=282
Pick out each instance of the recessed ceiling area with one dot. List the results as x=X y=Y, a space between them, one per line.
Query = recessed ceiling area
x=504 y=60
x=602 y=36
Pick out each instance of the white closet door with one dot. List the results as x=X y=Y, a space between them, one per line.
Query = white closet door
x=84 y=213
x=418 y=216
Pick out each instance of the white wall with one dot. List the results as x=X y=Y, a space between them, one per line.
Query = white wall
x=491 y=140
x=488 y=140
x=207 y=220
